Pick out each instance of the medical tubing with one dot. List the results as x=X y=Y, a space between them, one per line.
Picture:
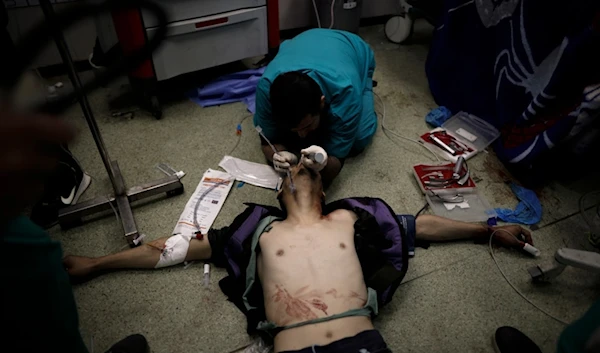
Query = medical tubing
x=289 y=175
x=512 y=285
x=385 y=130
x=215 y=185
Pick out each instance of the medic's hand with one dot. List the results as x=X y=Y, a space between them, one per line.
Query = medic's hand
x=282 y=161
x=510 y=236
x=309 y=158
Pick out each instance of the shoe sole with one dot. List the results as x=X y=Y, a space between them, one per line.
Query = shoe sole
x=85 y=183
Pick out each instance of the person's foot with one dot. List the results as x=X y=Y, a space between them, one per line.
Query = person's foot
x=130 y=344
x=510 y=340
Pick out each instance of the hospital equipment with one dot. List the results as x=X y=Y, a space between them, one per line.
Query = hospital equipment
x=462 y=135
x=458 y=176
x=491 y=249
x=563 y=257
x=206 y=276
x=29 y=47
x=168 y=170
x=315 y=157
x=441 y=144
x=232 y=29
x=289 y=175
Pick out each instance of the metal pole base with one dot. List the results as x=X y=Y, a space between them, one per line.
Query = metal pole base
x=72 y=216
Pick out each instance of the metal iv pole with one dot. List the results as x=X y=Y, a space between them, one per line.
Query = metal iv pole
x=73 y=215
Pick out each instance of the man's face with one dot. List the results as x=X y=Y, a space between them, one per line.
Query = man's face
x=307 y=125
x=305 y=181
x=310 y=122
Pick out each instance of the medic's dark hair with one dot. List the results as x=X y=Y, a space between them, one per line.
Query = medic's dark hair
x=293 y=96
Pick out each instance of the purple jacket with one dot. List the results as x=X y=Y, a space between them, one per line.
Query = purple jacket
x=380 y=242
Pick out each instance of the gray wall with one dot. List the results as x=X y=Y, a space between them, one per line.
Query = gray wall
x=300 y=13
x=80 y=37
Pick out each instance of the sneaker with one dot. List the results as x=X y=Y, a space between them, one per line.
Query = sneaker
x=130 y=344
x=510 y=340
x=72 y=180
x=63 y=188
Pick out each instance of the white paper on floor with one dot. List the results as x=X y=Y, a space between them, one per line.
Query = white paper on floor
x=252 y=173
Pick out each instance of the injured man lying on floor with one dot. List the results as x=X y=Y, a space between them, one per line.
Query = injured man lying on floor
x=311 y=275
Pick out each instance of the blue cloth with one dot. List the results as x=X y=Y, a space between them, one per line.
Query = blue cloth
x=342 y=64
x=237 y=87
x=528 y=211
x=530 y=68
x=436 y=117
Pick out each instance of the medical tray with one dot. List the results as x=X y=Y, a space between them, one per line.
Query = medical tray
x=466 y=130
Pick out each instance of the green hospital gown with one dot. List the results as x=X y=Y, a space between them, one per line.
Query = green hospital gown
x=342 y=64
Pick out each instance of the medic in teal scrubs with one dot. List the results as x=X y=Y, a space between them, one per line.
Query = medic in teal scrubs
x=317 y=94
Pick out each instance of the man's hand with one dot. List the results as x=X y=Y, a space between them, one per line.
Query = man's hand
x=27 y=145
x=282 y=161
x=510 y=236
x=309 y=159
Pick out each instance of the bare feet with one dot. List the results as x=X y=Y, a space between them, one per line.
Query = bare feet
x=78 y=266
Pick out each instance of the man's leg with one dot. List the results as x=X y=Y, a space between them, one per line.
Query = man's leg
x=144 y=256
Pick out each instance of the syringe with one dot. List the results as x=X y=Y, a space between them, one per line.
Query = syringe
x=289 y=175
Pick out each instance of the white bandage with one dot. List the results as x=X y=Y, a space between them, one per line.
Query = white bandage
x=176 y=248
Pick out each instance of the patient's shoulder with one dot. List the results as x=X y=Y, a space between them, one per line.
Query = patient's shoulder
x=343 y=215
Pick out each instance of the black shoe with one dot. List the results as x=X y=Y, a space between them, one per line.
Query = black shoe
x=71 y=180
x=130 y=344
x=510 y=340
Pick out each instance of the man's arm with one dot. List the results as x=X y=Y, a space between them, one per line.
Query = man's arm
x=143 y=256
x=438 y=229
x=263 y=118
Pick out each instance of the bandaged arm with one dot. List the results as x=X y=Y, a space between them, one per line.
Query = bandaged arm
x=150 y=255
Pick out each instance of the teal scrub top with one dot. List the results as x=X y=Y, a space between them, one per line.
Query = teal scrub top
x=38 y=309
x=342 y=64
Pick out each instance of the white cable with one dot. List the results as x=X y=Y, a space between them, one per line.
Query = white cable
x=331 y=14
x=386 y=129
x=512 y=285
x=113 y=208
x=316 y=13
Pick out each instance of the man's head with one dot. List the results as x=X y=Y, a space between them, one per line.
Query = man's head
x=296 y=102
x=308 y=189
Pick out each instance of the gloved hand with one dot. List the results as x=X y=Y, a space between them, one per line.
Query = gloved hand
x=282 y=161
x=311 y=161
